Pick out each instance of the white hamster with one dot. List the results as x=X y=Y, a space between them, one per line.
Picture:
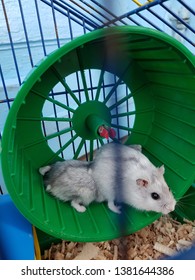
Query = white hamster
x=124 y=174
x=118 y=174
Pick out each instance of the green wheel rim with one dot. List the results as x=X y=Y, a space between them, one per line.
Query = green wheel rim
x=159 y=73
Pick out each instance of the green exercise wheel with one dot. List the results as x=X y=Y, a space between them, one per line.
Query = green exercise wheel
x=136 y=80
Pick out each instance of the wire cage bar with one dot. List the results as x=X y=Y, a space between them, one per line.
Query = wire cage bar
x=34 y=38
x=69 y=19
x=89 y=15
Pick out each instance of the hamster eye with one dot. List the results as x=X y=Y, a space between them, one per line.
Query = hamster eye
x=155 y=196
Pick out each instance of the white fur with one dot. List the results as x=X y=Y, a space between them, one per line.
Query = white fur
x=113 y=207
x=77 y=206
x=117 y=171
x=43 y=170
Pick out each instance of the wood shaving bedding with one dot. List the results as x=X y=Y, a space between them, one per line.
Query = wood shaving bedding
x=165 y=237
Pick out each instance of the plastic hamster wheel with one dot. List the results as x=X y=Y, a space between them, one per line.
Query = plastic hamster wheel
x=140 y=82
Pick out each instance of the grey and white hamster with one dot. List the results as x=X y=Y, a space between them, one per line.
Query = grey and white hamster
x=119 y=173
x=124 y=174
x=71 y=180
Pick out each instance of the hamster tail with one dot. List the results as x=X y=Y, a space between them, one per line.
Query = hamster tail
x=43 y=170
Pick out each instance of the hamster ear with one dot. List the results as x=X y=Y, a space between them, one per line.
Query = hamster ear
x=161 y=170
x=142 y=182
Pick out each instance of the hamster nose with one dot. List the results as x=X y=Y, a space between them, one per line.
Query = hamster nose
x=173 y=205
x=172 y=208
x=169 y=208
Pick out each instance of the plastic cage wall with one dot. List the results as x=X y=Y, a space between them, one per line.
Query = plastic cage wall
x=98 y=85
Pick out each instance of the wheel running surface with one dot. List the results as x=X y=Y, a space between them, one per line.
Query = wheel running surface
x=140 y=82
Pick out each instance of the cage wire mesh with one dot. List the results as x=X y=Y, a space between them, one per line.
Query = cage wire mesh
x=34 y=29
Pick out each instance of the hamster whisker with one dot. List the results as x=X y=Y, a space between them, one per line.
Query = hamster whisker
x=187 y=195
x=185 y=203
x=181 y=207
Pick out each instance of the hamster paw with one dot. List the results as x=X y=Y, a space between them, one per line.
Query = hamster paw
x=113 y=207
x=43 y=170
x=77 y=206
x=137 y=147
x=48 y=188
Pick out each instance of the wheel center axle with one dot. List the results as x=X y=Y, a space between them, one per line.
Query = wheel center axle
x=91 y=120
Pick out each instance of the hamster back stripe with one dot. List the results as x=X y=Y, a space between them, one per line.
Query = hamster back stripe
x=159 y=73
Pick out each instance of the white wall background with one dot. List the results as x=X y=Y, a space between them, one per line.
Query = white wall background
x=48 y=29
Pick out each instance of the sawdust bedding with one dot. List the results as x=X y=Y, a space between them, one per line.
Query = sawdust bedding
x=165 y=237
